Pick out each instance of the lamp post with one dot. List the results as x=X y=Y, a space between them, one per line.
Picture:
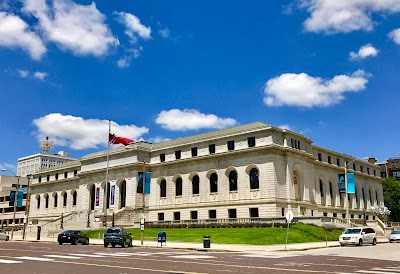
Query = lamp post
x=346 y=189
x=27 y=205
x=136 y=148
x=15 y=200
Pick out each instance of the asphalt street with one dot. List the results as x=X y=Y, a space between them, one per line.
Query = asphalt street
x=50 y=258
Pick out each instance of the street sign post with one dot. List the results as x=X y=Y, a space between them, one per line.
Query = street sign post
x=289 y=217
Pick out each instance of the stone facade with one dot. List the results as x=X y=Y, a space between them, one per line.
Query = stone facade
x=250 y=171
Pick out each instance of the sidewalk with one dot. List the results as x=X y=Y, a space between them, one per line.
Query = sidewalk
x=213 y=246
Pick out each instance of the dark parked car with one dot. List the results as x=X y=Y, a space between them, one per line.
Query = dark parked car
x=73 y=237
x=117 y=236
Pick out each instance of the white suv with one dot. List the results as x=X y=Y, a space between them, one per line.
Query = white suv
x=358 y=236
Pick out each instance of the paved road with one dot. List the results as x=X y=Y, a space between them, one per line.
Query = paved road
x=50 y=258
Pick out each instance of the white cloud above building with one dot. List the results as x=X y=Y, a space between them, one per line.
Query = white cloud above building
x=395 y=36
x=191 y=119
x=303 y=90
x=365 y=51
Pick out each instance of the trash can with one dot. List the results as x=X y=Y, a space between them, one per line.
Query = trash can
x=39 y=230
x=162 y=238
x=206 y=241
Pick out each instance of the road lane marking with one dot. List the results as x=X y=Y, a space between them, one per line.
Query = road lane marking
x=89 y=255
x=34 y=259
x=113 y=254
x=62 y=256
x=193 y=256
x=9 y=262
x=377 y=271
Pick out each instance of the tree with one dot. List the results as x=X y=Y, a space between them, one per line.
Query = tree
x=391 y=196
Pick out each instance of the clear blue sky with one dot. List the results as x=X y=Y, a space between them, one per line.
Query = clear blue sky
x=165 y=69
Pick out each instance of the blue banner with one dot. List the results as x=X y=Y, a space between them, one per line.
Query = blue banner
x=97 y=198
x=12 y=198
x=351 y=183
x=112 y=194
x=147 y=183
x=342 y=184
x=20 y=198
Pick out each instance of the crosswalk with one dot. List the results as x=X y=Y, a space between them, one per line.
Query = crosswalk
x=75 y=256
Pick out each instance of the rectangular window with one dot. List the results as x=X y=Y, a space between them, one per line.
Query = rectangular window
x=211 y=148
x=162 y=157
x=194 y=151
x=254 y=212
x=65 y=175
x=361 y=168
x=291 y=143
x=161 y=216
x=232 y=213
x=343 y=215
x=298 y=144
x=329 y=159
x=335 y=214
x=251 y=141
x=177 y=216
x=40 y=179
x=139 y=188
x=338 y=162
x=75 y=172
x=231 y=145
x=212 y=214
x=177 y=154
x=283 y=211
x=56 y=176
x=368 y=170
x=48 y=178
x=325 y=214
x=320 y=157
x=374 y=172
x=193 y=215
x=354 y=167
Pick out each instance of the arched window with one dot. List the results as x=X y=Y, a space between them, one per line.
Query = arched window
x=163 y=188
x=296 y=186
x=356 y=193
x=214 y=183
x=321 y=188
x=363 y=196
x=46 y=199
x=195 y=185
x=370 y=196
x=55 y=196
x=376 y=198
x=74 y=198
x=253 y=176
x=330 y=190
x=64 y=198
x=233 y=181
x=38 y=201
x=178 y=187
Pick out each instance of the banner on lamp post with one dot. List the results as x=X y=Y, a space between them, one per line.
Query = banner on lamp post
x=351 y=183
x=342 y=184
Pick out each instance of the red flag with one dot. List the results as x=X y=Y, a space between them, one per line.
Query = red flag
x=114 y=140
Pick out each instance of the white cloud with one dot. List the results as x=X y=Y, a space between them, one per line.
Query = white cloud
x=78 y=133
x=14 y=32
x=302 y=90
x=133 y=27
x=165 y=32
x=40 y=75
x=365 y=51
x=158 y=139
x=285 y=126
x=190 y=119
x=130 y=54
x=23 y=73
x=73 y=27
x=395 y=36
x=332 y=16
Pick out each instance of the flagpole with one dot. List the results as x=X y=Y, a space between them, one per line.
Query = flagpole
x=106 y=185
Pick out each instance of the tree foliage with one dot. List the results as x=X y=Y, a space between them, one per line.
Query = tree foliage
x=391 y=195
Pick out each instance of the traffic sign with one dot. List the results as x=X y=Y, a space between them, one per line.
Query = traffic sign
x=289 y=216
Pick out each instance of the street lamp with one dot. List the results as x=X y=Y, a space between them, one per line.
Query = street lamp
x=15 y=200
x=136 y=148
x=27 y=205
x=346 y=189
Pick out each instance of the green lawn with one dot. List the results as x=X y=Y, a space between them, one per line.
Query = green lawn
x=298 y=233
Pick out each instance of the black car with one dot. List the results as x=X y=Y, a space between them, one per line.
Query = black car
x=73 y=237
x=117 y=236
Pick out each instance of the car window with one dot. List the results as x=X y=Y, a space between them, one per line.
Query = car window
x=396 y=232
x=113 y=230
x=353 y=231
x=370 y=230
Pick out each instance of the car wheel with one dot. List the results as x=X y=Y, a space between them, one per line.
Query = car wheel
x=87 y=242
x=7 y=238
x=113 y=245
x=74 y=242
x=60 y=243
x=342 y=244
x=105 y=244
x=360 y=242
x=374 y=241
